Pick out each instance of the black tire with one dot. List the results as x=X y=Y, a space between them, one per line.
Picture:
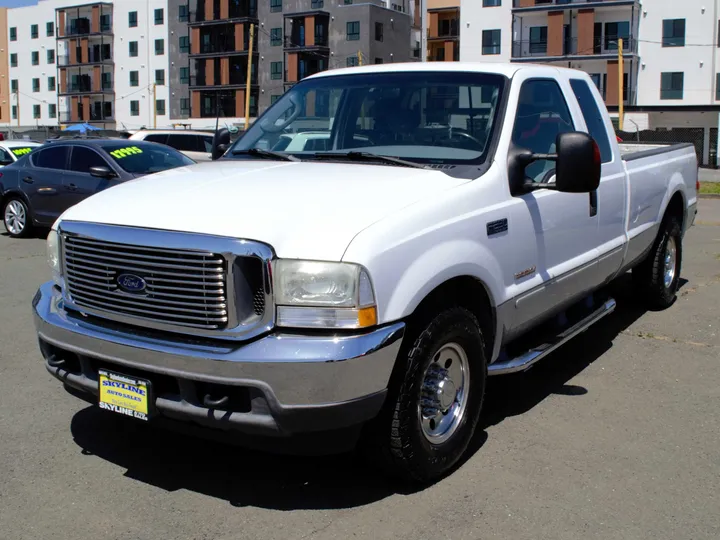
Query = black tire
x=28 y=227
x=395 y=438
x=649 y=276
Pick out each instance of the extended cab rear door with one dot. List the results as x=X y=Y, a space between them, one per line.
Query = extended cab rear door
x=611 y=196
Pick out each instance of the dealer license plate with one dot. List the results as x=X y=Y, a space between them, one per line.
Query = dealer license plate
x=124 y=395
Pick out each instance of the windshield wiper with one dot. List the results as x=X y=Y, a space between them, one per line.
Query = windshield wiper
x=368 y=157
x=259 y=152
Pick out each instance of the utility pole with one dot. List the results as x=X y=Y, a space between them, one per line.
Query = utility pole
x=423 y=31
x=621 y=77
x=154 y=105
x=249 y=74
x=360 y=58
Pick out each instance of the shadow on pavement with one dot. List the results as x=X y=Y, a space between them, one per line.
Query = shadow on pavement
x=174 y=461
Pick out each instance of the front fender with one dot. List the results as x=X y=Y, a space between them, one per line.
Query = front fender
x=432 y=268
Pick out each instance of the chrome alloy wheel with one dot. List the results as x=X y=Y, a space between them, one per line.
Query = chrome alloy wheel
x=15 y=217
x=670 y=261
x=444 y=393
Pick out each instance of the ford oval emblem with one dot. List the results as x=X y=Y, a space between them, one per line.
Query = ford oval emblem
x=131 y=283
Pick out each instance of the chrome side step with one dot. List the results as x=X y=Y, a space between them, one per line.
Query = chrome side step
x=524 y=361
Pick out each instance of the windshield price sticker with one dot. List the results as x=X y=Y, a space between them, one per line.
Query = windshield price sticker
x=21 y=151
x=124 y=152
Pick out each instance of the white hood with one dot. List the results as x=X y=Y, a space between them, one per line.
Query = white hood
x=303 y=210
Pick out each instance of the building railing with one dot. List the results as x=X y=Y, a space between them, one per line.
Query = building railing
x=234 y=13
x=223 y=45
x=71 y=60
x=297 y=43
x=571 y=47
x=451 y=32
x=66 y=117
x=84 y=29
x=541 y=3
x=87 y=88
x=236 y=79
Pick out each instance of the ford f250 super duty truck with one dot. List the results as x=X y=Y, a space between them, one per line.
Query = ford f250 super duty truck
x=367 y=289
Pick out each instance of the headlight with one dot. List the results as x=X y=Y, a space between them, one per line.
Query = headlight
x=53 y=255
x=311 y=294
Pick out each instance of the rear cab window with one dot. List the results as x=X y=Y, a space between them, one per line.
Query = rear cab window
x=593 y=117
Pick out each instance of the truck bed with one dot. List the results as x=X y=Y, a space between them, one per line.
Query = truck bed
x=637 y=150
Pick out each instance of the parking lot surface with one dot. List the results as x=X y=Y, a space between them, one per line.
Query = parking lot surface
x=615 y=436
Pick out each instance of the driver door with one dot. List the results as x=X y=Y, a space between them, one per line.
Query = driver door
x=565 y=231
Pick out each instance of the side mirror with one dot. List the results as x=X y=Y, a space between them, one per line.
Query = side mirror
x=220 y=144
x=577 y=169
x=578 y=163
x=102 y=172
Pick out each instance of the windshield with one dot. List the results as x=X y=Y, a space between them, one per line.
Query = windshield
x=145 y=158
x=426 y=117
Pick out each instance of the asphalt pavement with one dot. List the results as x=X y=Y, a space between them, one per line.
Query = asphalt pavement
x=615 y=436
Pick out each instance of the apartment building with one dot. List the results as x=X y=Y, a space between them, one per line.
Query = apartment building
x=5 y=97
x=443 y=30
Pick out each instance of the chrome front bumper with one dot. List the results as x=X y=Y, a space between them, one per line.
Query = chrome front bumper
x=293 y=383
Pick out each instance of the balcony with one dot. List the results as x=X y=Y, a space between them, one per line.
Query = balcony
x=320 y=42
x=222 y=11
x=450 y=33
x=94 y=57
x=225 y=40
x=85 y=86
x=83 y=28
x=540 y=5
x=599 y=48
x=237 y=80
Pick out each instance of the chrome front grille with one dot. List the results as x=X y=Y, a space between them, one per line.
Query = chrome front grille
x=174 y=286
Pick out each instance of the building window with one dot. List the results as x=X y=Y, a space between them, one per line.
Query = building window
x=132 y=19
x=50 y=29
x=134 y=78
x=35 y=58
x=378 y=31
x=51 y=84
x=184 y=44
x=275 y=5
x=671 y=85
x=13 y=59
x=159 y=47
x=159 y=16
x=185 y=107
x=14 y=85
x=614 y=32
x=14 y=112
x=160 y=107
x=52 y=110
x=352 y=61
x=106 y=79
x=104 y=23
x=491 y=42
x=184 y=75
x=538 y=40
x=51 y=56
x=36 y=112
x=673 y=33
x=160 y=77
x=135 y=108
x=276 y=70
x=353 y=31
x=275 y=36
x=347 y=2
x=133 y=48
x=183 y=14
x=378 y=60
x=492 y=3
x=36 y=85
x=34 y=31
x=13 y=34
x=274 y=98
x=316 y=4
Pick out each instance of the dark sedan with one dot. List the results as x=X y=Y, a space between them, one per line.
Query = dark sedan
x=37 y=188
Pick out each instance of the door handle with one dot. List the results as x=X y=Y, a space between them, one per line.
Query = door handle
x=28 y=180
x=72 y=187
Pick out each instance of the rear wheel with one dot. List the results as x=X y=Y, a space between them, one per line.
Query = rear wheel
x=16 y=218
x=429 y=419
x=658 y=276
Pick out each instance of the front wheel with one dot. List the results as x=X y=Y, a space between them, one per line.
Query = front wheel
x=429 y=419
x=16 y=218
x=658 y=276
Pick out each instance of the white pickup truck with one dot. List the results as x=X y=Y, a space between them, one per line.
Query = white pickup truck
x=366 y=291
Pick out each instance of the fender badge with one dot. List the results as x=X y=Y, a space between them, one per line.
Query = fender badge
x=525 y=273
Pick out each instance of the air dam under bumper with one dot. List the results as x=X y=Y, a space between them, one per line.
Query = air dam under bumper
x=281 y=384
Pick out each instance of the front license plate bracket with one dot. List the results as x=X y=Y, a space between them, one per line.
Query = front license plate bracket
x=125 y=394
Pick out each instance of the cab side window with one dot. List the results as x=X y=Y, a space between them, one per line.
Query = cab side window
x=5 y=157
x=157 y=138
x=82 y=159
x=54 y=157
x=541 y=116
x=184 y=143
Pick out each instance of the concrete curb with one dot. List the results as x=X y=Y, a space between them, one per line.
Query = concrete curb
x=708 y=195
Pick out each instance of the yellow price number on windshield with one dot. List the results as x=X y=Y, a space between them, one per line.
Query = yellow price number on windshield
x=21 y=151
x=125 y=152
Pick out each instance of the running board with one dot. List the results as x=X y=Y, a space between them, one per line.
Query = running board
x=525 y=360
